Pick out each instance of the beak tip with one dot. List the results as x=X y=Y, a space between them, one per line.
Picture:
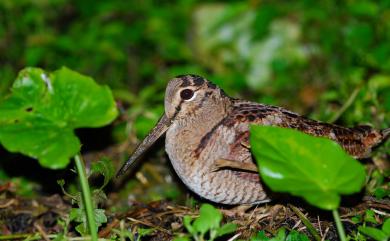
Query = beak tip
x=126 y=166
x=120 y=172
x=123 y=169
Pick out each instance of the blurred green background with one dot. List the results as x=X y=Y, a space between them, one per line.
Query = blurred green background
x=328 y=60
x=313 y=57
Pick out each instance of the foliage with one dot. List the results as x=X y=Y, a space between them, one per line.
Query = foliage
x=377 y=184
x=208 y=222
x=280 y=236
x=39 y=117
x=38 y=120
x=105 y=168
x=290 y=46
x=290 y=161
x=375 y=233
x=260 y=49
x=137 y=235
x=369 y=227
x=64 y=224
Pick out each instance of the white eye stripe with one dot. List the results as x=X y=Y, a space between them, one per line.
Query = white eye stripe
x=193 y=97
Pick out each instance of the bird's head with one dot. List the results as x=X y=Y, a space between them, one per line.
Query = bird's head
x=185 y=96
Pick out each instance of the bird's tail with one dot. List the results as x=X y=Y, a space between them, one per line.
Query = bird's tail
x=385 y=133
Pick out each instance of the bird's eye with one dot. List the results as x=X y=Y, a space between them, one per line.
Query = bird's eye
x=186 y=94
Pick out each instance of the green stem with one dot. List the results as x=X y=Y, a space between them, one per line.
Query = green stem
x=339 y=225
x=346 y=105
x=306 y=222
x=86 y=194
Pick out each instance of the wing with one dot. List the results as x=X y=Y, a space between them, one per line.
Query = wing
x=357 y=141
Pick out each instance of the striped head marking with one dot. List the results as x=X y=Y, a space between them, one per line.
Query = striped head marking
x=187 y=94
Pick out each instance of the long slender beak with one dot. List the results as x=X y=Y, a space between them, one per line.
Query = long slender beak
x=160 y=128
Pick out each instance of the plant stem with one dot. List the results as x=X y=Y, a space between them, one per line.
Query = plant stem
x=86 y=194
x=339 y=225
x=306 y=222
x=346 y=105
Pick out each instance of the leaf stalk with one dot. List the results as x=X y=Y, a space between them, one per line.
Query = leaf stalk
x=86 y=196
x=339 y=225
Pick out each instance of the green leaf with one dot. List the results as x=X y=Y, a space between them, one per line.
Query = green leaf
x=60 y=237
x=142 y=232
x=145 y=231
x=98 y=197
x=386 y=227
x=357 y=219
x=82 y=229
x=100 y=216
x=369 y=217
x=294 y=162
x=187 y=223
x=209 y=218
x=77 y=214
x=39 y=116
x=280 y=236
x=182 y=239
x=296 y=236
x=260 y=236
x=380 y=193
x=374 y=233
x=104 y=167
x=225 y=229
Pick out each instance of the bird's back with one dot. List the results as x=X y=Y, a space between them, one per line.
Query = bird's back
x=357 y=141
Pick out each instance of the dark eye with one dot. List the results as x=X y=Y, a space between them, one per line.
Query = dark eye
x=186 y=94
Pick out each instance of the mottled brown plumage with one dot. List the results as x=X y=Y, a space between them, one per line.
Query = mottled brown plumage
x=204 y=126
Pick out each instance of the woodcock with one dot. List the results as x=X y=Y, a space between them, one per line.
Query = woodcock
x=204 y=126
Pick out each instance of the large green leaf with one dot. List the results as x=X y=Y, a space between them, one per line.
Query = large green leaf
x=39 y=116
x=314 y=168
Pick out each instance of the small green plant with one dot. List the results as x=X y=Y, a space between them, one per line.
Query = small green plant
x=136 y=235
x=382 y=234
x=368 y=227
x=280 y=236
x=316 y=169
x=64 y=224
x=103 y=167
x=38 y=119
x=207 y=226
x=377 y=184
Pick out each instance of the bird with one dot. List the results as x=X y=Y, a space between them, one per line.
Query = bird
x=206 y=129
